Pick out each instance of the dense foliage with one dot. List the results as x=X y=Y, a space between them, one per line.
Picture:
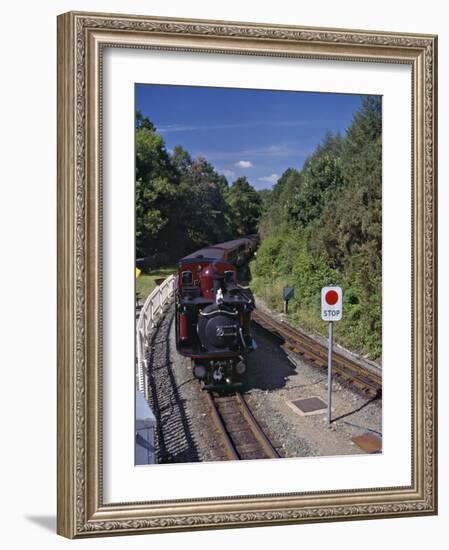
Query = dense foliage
x=322 y=225
x=182 y=203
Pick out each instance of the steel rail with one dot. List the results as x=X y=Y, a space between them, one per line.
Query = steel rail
x=270 y=451
x=231 y=452
x=240 y=432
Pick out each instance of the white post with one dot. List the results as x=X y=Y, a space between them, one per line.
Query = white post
x=329 y=377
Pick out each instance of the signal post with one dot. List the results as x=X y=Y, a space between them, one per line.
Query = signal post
x=331 y=310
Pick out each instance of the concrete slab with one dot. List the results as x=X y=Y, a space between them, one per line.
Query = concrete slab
x=308 y=405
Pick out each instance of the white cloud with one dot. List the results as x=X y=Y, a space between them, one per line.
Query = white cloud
x=176 y=128
x=294 y=150
x=244 y=164
x=270 y=179
x=169 y=128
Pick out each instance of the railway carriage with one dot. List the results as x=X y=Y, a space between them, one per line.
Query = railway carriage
x=213 y=313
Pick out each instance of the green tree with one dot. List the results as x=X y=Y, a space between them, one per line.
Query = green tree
x=181 y=160
x=158 y=194
x=320 y=177
x=280 y=199
x=207 y=212
x=246 y=206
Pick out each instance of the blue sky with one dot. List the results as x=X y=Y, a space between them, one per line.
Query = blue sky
x=252 y=133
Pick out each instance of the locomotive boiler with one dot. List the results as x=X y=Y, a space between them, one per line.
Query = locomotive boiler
x=213 y=315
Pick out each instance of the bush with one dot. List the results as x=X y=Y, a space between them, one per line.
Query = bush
x=284 y=260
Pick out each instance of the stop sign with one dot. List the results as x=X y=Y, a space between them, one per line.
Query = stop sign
x=331 y=303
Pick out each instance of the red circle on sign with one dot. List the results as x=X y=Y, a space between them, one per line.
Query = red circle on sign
x=331 y=297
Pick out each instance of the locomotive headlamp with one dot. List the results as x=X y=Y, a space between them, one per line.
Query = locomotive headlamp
x=240 y=368
x=199 y=371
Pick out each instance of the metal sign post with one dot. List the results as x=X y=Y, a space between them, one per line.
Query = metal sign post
x=329 y=377
x=288 y=293
x=331 y=310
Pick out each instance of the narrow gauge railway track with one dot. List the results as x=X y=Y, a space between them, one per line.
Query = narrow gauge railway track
x=242 y=436
x=300 y=344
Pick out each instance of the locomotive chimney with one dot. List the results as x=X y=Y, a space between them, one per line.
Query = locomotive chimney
x=218 y=282
x=211 y=281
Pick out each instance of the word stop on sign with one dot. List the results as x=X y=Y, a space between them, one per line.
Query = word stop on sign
x=331 y=303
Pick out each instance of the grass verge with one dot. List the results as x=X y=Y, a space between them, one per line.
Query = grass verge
x=146 y=283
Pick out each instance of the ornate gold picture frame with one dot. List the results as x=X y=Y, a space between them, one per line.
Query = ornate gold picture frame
x=82 y=39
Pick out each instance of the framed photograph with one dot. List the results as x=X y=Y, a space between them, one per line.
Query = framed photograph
x=246 y=274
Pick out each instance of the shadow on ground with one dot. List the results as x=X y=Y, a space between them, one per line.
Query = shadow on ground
x=175 y=442
x=269 y=367
x=46 y=522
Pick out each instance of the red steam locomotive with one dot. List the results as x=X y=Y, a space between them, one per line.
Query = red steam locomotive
x=213 y=313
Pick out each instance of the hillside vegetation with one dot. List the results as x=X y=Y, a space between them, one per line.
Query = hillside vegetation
x=322 y=225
